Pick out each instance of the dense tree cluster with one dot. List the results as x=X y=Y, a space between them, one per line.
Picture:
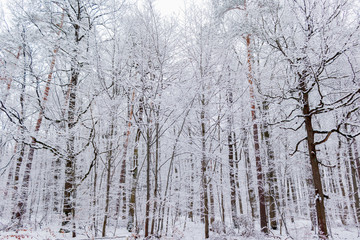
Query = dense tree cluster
x=238 y=112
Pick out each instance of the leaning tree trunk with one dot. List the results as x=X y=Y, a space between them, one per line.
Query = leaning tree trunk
x=19 y=210
x=316 y=177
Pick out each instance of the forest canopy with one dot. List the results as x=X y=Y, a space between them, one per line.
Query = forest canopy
x=228 y=118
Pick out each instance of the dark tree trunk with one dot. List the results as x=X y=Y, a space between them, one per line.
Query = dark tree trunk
x=148 y=188
x=204 y=182
x=318 y=194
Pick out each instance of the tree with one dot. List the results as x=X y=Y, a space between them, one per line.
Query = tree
x=311 y=46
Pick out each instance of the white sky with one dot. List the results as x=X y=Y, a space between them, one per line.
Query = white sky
x=174 y=7
x=168 y=7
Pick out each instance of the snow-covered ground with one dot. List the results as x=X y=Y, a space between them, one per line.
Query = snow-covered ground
x=300 y=230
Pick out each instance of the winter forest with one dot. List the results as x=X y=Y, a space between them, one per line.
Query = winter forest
x=230 y=119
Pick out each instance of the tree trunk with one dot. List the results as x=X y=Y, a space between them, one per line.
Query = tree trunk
x=20 y=208
x=157 y=146
x=354 y=179
x=259 y=173
x=148 y=188
x=319 y=195
x=237 y=175
x=212 y=203
x=343 y=206
x=272 y=178
x=70 y=161
x=108 y=165
x=204 y=182
x=192 y=178
x=232 y=181
x=249 y=175
x=132 y=225
x=94 y=200
x=123 y=162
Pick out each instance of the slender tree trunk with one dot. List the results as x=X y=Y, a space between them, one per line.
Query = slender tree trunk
x=157 y=146
x=259 y=173
x=123 y=162
x=148 y=188
x=94 y=200
x=192 y=178
x=204 y=183
x=249 y=175
x=272 y=178
x=237 y=179
x=109 y=159
x=212 y=203
x=56 y=165
x=132 y=225
x=343 y=206
x=19 y=209
x=232 y=181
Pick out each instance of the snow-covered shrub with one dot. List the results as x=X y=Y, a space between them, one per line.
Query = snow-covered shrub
x=245 y=224
x=218 y=227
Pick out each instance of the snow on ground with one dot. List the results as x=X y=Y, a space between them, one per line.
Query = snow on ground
x=300 y=230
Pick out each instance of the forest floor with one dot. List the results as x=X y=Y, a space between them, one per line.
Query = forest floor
x=299 y=230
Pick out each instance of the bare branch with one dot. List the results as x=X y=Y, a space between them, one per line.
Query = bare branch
x=297 y=146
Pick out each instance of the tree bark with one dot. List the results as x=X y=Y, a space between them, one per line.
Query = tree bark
x=204 y=182
x=343 y=206
x=249 y=175
x=272 y=178
x=123 y=162
x=355 y=193
x=259 y=173
x=148 y=187
x=157 y=155
x=318 y=194
x=20 y=208
x=109 y=161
